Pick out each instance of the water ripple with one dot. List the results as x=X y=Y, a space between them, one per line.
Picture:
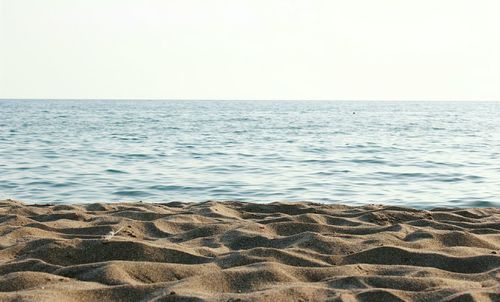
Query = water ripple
x=412 y=154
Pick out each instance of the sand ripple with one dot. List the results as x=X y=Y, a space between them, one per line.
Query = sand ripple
x=232 y=251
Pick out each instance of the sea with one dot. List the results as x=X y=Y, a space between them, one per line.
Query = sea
x=412 y=154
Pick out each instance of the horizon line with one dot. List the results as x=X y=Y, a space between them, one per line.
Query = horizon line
x=250 y=100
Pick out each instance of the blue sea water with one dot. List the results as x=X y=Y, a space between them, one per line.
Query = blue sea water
x=418 y=154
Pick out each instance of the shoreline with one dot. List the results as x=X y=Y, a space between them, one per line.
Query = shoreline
x=240 y=251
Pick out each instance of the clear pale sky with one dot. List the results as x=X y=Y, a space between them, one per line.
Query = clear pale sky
x=250 y=49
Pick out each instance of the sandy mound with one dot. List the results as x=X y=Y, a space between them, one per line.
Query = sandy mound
x=231 y=251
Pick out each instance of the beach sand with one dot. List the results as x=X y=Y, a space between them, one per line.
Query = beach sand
x=233 y=251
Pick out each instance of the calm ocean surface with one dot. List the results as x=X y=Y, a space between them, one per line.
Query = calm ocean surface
x=419 y=154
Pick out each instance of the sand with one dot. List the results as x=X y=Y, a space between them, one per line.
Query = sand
x=232 y=251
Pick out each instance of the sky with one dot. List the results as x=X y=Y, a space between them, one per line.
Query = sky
x=250 y=49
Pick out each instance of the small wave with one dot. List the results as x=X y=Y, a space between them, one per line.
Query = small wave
x=23 y=168
x=219 y=190
x=404 y=174
x=315 y=150
x=115 y=171
x=131 y=193
x=133 y=155
x=225 y=169
x=483 y=204
x=6 y=185
x=329 y=173
x=451 y=179
x=368 y=161
x=40 y=182
x=240 y=131
x=245 y=154
x=174 y=188
x=319 y=161
x=437 y=177
x=239 y=119
x=63 y=184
